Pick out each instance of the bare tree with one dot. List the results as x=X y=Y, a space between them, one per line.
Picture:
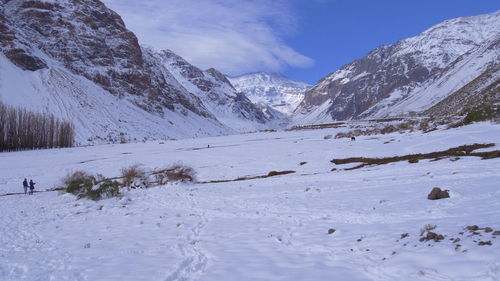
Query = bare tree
x=21 y=129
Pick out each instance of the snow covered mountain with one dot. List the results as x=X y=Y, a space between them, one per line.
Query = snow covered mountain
x=483 y=90
x=410 y=76
x=78 y=61
x=214 y=90
x=271 y=90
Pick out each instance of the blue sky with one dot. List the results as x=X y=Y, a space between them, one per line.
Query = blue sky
x=304 y=39
x=336 y=32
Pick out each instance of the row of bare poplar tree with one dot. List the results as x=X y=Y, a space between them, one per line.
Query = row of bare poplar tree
x=21 y=129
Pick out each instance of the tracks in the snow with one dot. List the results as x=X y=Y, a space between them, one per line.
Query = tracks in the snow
x=195 y=260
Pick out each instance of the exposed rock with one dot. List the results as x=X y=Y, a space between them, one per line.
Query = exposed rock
x=488 y=229
x=437 y=193
x=219 y=76
x=483 y=243
x=432 y=236
x=25 y=61
x=472 y=227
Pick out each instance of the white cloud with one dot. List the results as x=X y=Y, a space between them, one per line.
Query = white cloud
x=234 y=36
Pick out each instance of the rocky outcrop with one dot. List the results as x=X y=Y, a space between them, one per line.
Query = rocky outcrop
x=14 y=48
x=437 y=193
x=213 y=88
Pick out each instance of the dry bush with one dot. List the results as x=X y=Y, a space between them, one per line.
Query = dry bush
x=134 y=176
x=427 y=228
x=77 y=176
x=160 y=177
x=425 y=125
x=181 y=173
x=388 y=129
x=353 y=133
x=176 y=173
x=341 y=135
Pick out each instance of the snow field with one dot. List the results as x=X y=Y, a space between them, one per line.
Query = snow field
x=264 y=229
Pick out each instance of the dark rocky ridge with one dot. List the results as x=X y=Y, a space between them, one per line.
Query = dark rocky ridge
x=214 y=87
x=90 y=40
x=354 y=90
x=481 y=91
x=14 y=48
x=484 y=90
x=382 y=72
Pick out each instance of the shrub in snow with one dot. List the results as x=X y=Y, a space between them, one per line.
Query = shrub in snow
x=429 y=235
x=77 y=181
x=84 y=185
x=388 y=129
x=409 y=125
x=427 y=228
x=432 y=236
x=103 y=188
x=135 y=177
x=482 y=113
x=176 y=173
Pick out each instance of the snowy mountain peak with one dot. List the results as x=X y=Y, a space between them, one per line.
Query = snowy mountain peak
x=271 y=89
x=78 y=61
x=411 y=75
x=270 y=77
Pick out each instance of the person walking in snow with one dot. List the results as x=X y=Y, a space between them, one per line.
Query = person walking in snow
x=32 y=187
x=25 y=186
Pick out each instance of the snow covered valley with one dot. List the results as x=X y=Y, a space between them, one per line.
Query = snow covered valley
x=314 y=224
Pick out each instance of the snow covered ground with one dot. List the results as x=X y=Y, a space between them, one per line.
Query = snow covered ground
x=264 y=229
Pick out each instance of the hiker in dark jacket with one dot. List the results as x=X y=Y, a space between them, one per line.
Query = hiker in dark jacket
x=25 y=186
x=32 y=187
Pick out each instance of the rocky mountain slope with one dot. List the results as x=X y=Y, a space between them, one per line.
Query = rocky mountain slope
x=271 y=90
x=78 y=60
x=482 y=91
x=214 y=90
x=411 y=75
